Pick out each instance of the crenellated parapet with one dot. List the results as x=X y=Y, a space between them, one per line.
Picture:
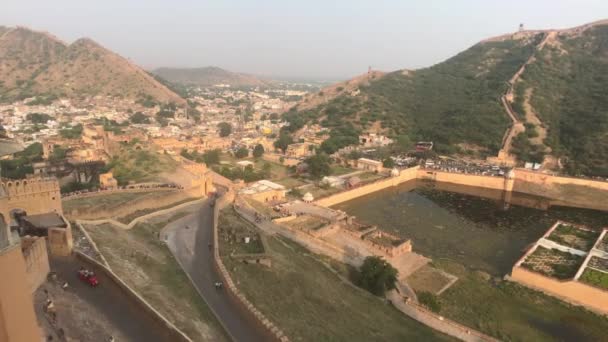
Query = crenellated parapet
x=32 y=186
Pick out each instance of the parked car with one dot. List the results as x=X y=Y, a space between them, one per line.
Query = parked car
x=88 y=277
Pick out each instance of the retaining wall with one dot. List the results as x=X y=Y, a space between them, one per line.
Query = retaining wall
x=570 y=291
x=151 y=201
x=169 y=331
x=561 y=190
x=404 y=176
x=487 y=182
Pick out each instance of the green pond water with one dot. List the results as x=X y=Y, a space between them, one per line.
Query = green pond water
x=472 y=230
x=470 y=227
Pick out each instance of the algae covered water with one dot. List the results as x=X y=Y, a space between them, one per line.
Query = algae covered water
x=468 y=225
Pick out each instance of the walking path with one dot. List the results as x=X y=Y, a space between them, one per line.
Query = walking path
x=517 y=126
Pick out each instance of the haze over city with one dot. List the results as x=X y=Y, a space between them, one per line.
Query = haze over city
x=284 y=39
x=255 y=171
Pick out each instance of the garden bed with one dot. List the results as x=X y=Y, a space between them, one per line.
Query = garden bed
x=571 y=236
x=553 y=263
x=595 y=278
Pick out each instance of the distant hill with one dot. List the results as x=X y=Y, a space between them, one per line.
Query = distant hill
x=37 y=63
x=560 y=97
x=209 y=76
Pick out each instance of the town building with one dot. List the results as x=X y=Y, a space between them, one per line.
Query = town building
x=107 y=181
x=264 y=191
x=369 y=165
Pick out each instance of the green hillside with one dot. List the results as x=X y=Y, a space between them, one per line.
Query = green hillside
x=454 y=102
x=569 y=80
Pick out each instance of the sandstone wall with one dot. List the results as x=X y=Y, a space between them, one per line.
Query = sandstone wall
x=404 y=176
x=487 y=182
x=151 y=201
x=566 y=191
x=35 y=196
x=36 y=261
x=571 y=291
x=17 y=318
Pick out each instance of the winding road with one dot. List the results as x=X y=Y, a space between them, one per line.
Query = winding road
x=189 y=239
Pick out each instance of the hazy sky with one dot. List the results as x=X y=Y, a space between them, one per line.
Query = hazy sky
x=310 y=38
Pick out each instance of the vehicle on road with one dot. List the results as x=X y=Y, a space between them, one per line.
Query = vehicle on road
x=218 y=284
x=88 y=277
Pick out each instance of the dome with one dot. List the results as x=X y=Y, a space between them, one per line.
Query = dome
x=308 y=197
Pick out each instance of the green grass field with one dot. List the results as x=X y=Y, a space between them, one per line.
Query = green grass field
x=148 y=266
x=309 y=302
x=512 y=312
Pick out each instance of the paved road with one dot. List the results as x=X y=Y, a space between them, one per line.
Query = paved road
x=191 y=247
x=110 y=301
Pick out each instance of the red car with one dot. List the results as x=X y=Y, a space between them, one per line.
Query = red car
x=88 y=277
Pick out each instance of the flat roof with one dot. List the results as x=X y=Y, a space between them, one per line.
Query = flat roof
x=47 y=220
x=261 y=186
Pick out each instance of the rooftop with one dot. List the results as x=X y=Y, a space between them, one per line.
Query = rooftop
x=47 y=220
x=261 y=186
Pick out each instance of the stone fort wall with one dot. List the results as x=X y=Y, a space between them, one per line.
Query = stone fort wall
x=36 y=261
x=35 y=196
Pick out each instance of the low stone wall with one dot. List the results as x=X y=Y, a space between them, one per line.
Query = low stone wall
x=170 y=331
x=404 y=176
x=570 y=291
x=147 y=202
x=36 y=261
x=285 y=219
x=254 y=314
x=114 y=191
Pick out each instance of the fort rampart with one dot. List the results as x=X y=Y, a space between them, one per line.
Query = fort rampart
x=36 y=260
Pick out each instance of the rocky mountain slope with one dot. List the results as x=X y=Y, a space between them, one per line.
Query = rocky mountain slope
x=457 y=103
x=36 y=63
x=208 y=76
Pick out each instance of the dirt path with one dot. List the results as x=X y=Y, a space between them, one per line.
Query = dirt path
x=517 y=126
x=532 y=117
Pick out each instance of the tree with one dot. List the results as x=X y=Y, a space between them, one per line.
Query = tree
x=284 y=140
x=377 y=276
x=241 y=152
x=212 y=157
x=225 y=129
x=59 y=153
x=430 y=300
x=266 y=170
x=388 y=163
x=403 y=143
x=318 y=165
x=139 y=118
x=258 y=151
